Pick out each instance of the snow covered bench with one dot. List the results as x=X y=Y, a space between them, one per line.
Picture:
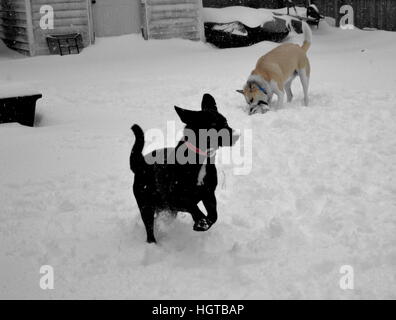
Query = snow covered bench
x=18 y=104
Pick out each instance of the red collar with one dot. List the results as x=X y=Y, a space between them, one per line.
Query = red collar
x=196 y=150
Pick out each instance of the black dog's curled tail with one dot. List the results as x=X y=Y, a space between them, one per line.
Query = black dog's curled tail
x=136 y=159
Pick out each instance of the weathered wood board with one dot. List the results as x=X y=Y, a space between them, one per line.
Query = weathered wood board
x=164 y=19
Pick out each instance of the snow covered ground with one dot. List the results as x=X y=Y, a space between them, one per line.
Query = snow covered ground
x=321 y=193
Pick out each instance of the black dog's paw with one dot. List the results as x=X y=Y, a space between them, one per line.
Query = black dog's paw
x=151 y=241
x=202 y=225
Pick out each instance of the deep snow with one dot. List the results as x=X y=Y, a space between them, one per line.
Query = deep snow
x=321 y=193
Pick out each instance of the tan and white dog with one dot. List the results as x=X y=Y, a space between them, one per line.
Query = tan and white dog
x=275 y=72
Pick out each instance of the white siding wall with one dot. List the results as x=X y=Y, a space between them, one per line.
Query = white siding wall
x=116 y=17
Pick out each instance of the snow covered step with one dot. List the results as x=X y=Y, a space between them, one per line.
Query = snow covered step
x=164 y=19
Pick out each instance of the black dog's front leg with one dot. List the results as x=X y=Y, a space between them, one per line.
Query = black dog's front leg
x=196 y=214
x=210 y=204
x=201 y=221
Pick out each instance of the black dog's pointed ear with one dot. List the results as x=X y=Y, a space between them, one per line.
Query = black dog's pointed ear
x=208 y=103
x=186 y=116
x=240 y=91
x=180 y=112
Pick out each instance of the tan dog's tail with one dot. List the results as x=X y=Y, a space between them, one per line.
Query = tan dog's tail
x=307 y=36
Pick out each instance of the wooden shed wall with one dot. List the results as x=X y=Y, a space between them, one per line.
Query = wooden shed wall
x=14 y=29
x=70 y=16
x=164 y=19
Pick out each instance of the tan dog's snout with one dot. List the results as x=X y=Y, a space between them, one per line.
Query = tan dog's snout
x=256 y=99
x=253 y=95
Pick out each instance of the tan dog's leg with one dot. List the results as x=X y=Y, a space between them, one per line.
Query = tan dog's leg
x=279 y=91
x=289 y=92
x=288 y=89
x=281 y=96
x=305 y=84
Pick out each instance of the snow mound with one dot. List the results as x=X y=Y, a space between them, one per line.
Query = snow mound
x=8 y=90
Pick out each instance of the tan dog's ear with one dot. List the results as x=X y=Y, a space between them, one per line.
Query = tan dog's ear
x=240 y=91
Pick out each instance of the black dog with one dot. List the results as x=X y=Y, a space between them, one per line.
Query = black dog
x=177 y=179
